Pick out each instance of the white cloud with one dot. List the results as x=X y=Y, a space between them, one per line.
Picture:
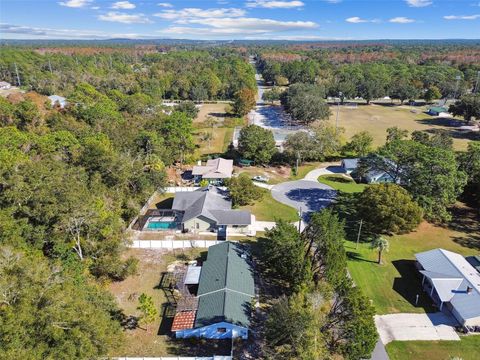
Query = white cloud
x=334 y=1
x=272 y=4
x=28 y=32
x=462 y=17
x=126 y=5
x=114 y=16
x=358 y=20
x=95 y=7
x=75 y=3
x=230 y=27
x=401 y=20
x=188 y=13
x=165 y=5
x=419 y=3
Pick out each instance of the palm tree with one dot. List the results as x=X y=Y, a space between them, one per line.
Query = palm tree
x=380 y=244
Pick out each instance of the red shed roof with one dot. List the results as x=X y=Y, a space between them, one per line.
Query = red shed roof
x=183 y=320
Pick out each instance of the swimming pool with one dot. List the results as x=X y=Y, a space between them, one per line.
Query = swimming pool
x=161 y=225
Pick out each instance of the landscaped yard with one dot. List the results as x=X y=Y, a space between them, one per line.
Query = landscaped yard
x=304 y=170
x=274 y=174
x=376 y=119
x=268 y=209
x=466 y=349
x=342 y=183
x=155 y=340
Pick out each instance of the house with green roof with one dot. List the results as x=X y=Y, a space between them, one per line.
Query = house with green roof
x=225 y=293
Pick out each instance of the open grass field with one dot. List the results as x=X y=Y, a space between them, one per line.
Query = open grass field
x=342 y=183
x=394 y=285
x=155 y=340
x=376 y=119
x=221 y=138
x=268 y=209
x=216 y=111
x=466 y=349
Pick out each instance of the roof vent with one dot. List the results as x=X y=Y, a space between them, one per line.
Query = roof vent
x=469 y=290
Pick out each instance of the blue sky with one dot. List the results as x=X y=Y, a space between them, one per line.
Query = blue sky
x=240 y=19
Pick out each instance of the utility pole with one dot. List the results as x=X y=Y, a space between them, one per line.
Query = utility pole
x=476 y=83
x=300 y=220
x=338 y=108
x=359 y=232
x=296 y=162
x=457 y=78
x=18 y=76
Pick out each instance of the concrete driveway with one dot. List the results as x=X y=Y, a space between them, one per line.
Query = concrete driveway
x=407 y=327
x=310 y=196
x=327 y=170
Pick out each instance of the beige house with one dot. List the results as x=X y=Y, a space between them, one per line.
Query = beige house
x=214 y=171
x=209 y=209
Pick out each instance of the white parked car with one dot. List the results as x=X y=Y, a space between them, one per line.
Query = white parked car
x=259 y=178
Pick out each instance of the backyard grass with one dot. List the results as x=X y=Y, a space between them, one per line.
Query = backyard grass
x=466 y=349
x=304 y=170
x=268 y=209
x=342 y=183
x=394 y=285
x=161 y=201
x=221 y=138
x=376 y=119
x=216 y=111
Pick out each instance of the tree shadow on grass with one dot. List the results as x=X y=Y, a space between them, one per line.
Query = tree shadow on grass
x=355 y=256
x=199 y=347
x=409 y=285
x=466 y=220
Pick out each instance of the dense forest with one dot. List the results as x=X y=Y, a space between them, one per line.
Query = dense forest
x=371 y=72
x=194 y=75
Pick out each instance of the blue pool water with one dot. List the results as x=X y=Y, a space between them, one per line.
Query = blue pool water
x=160 y=225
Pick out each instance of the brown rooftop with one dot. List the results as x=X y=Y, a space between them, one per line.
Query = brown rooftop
x=183 y=320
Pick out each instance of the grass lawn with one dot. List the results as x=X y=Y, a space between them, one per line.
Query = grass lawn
x=268 y=209
x=155 y=341
x=304 y=170
x=341 y=183
x=216 y=111
x=221 y=138
x=161 y=201
x=393 y=285
x=466 y=349
x=275 y=175
x=377 y=118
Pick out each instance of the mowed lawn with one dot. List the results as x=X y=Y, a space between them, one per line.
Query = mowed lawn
x=268 y=209
x=342 y=183
x=466 y=349
x=376 y=119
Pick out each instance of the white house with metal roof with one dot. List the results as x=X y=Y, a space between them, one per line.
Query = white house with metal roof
x=452 y=282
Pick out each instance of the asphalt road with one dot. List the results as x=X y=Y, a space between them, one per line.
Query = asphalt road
x=309 y=196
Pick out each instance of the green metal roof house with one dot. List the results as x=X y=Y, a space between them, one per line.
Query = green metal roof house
x=225 y=292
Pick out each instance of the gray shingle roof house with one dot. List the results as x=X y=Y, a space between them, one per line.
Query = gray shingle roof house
x=225 y=293
x=451 y=281
x=208 y=209
x=215 y=171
